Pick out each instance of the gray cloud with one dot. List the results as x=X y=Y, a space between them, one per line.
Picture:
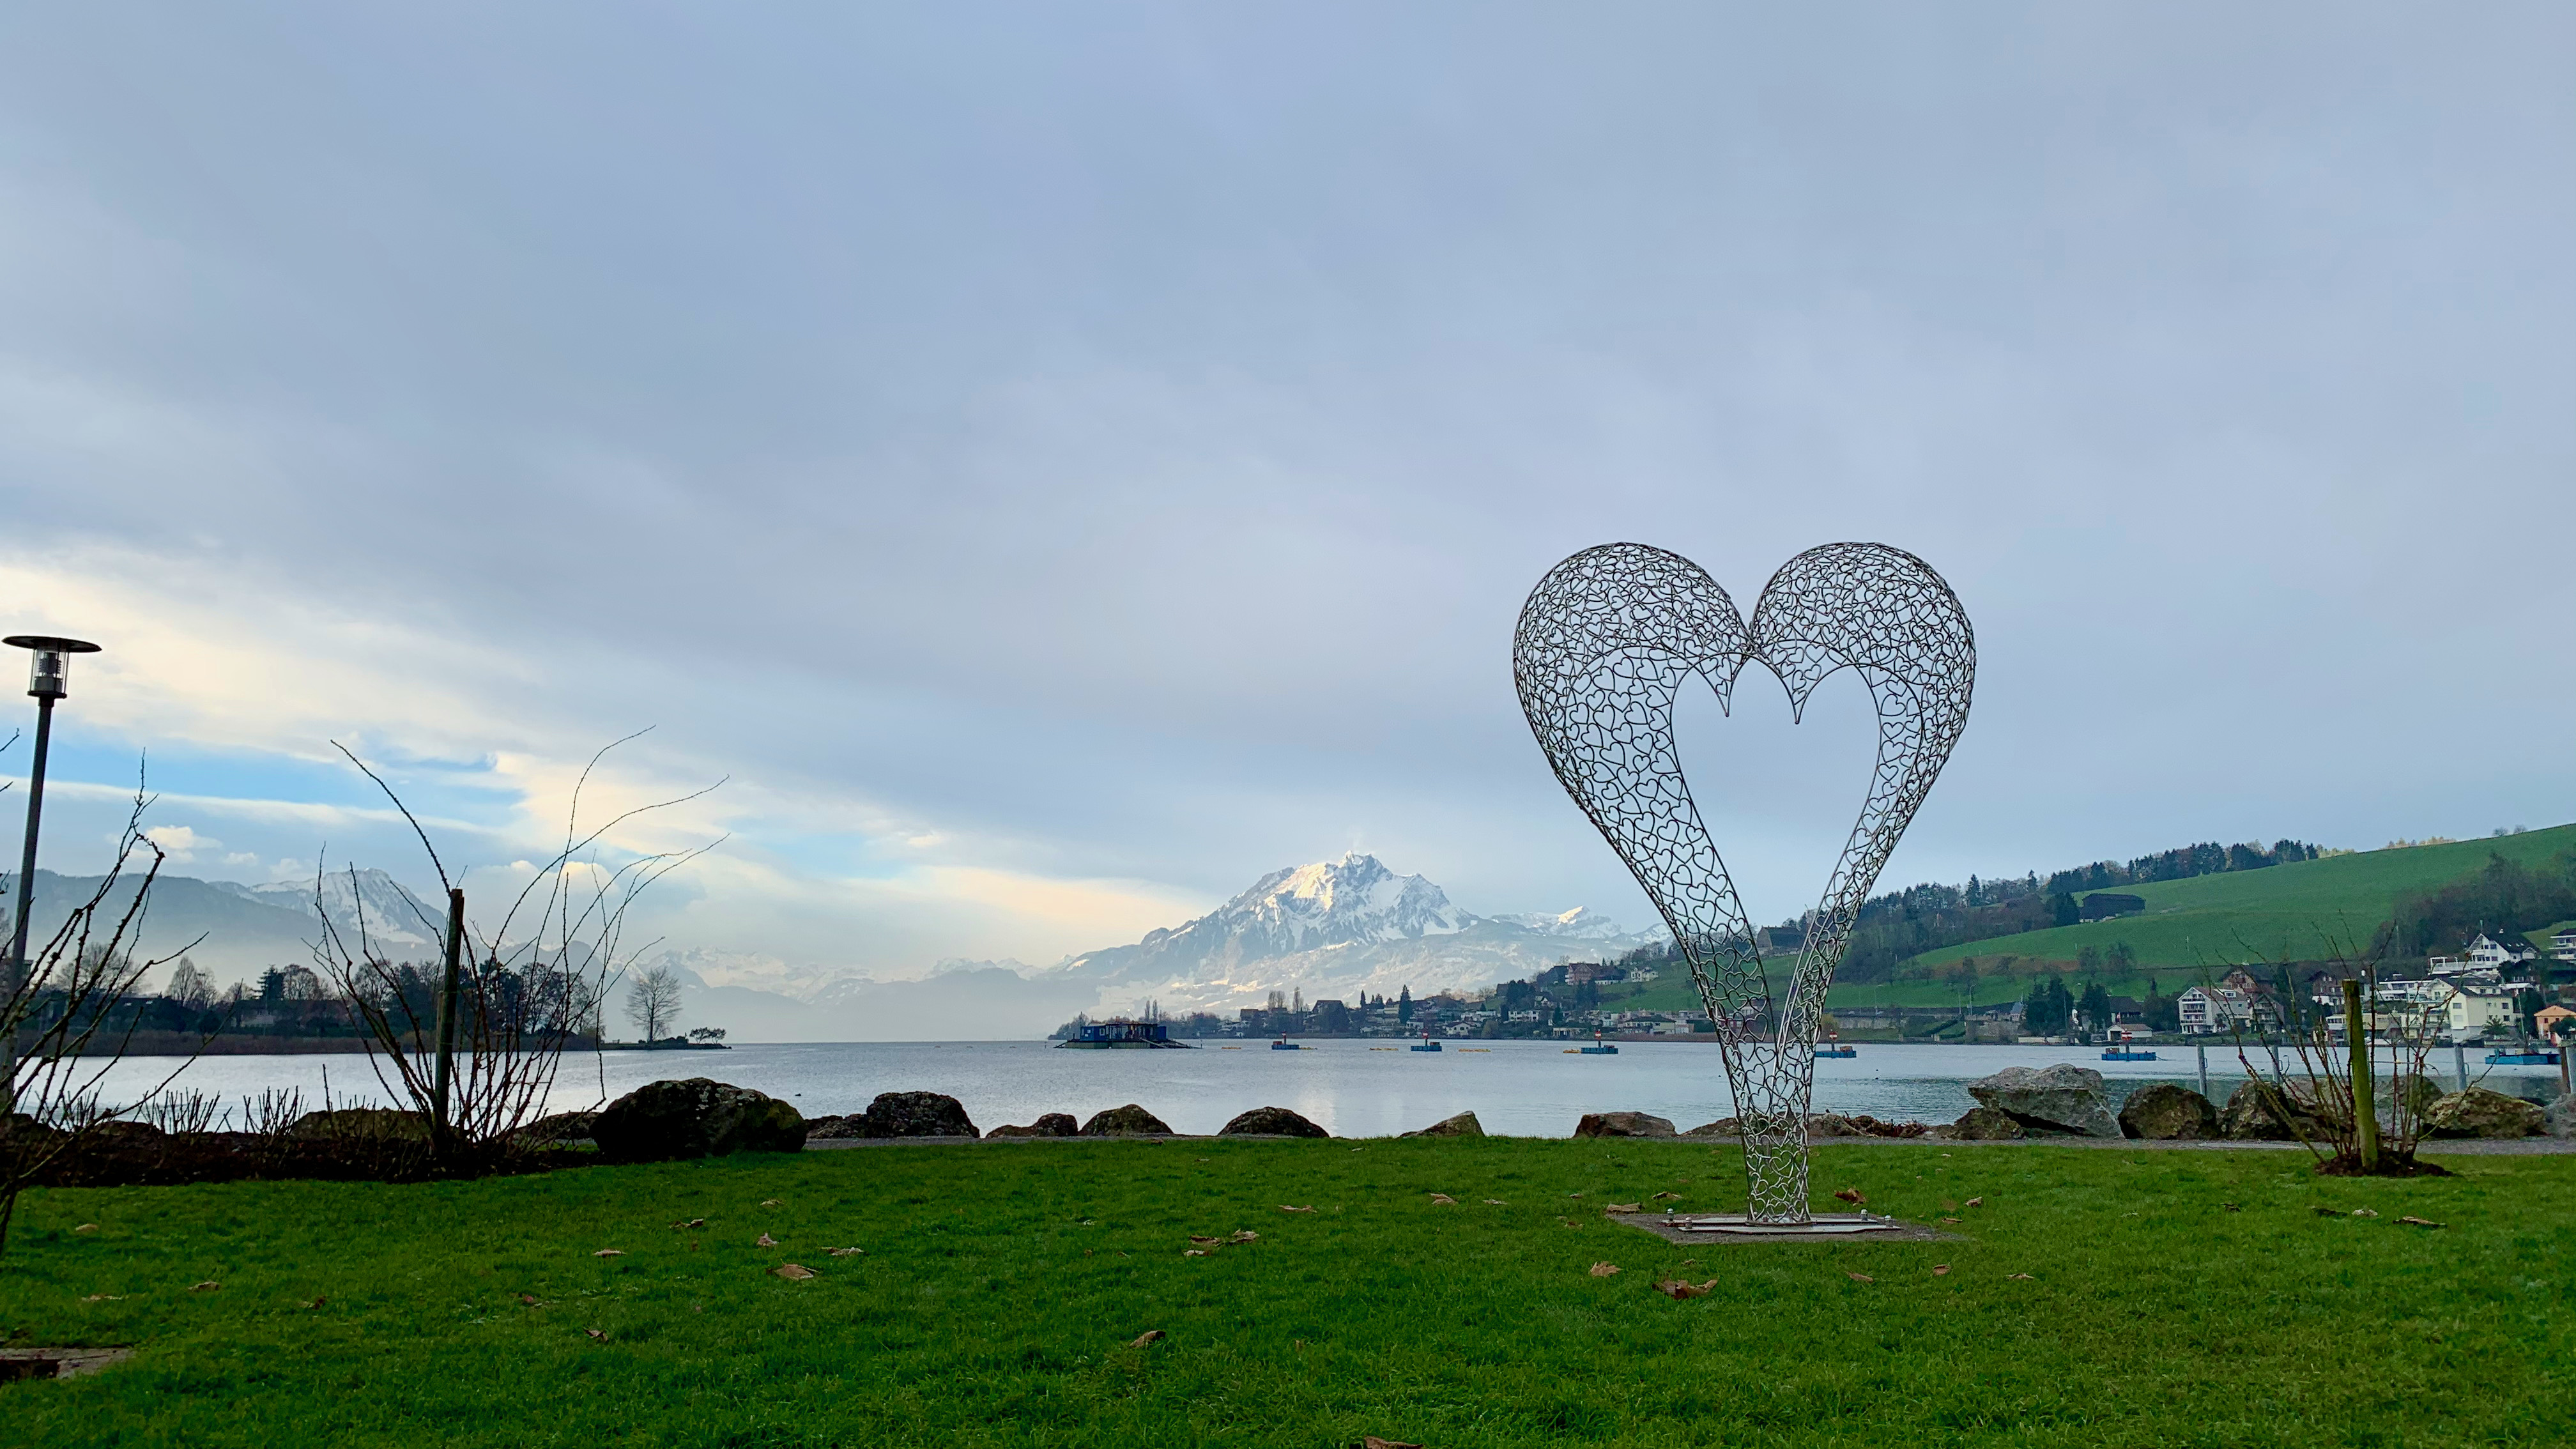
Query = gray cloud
x=1111 y=445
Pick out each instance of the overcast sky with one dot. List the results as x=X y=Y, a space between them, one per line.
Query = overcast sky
x=1057 y=462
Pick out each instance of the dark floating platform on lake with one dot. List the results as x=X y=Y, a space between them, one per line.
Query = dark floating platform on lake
x=1102 y=1036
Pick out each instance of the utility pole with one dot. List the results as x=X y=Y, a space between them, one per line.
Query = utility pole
x=48 y=679
x=2365 y=1113
x=445 y=1075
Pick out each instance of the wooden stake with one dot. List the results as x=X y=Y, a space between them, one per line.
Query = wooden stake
x=2365 y=1115
x=445 y=1075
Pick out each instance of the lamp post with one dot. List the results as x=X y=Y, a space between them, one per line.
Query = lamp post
x=48 y=679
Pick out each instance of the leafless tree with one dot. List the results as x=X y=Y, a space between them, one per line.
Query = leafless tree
x=529 y=990
x=66 y=1021
x=189 y=986
x=653 y=1003
x=2311 y=1086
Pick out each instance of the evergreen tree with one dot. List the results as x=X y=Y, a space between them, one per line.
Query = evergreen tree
x=1404 y=1003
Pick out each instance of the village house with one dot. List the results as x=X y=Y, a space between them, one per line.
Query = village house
x=2482 y=1011
x=2212 y=1010
x=2549 y=1020
x=2495 y=955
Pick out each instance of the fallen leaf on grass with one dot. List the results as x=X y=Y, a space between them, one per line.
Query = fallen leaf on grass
x=596 y=1335
x=1285 y=1208
x=2422 y=1222
x=764 y=1241
x=1976 y=1202
x=318 y=1302
x=2321 y=1210
x=1949 y=1220
x=610 y=1253
x=1622 y=1207
x=119 y=1297
x=1665 y=1197
x=208 y=1286
x=2024 y=1277
x=793 y=1272
x=1860 y=1277
x=1442 y=1199
x=1676 y=1289
x=532 y=1300
x=846 y=1252
x=1189 y=1253
x=1493 y=1202
x=86 y=1228
x=1151 y=1335
x=1205 y=1242
x=2231 y=1207
x=691 y=1223
x=1852 y=1195
x=1371 y=1441
x=2363 y=1213
x=1940 y=1270
x=1244 y=1235
x=1604 y=1270
x=771 y=1202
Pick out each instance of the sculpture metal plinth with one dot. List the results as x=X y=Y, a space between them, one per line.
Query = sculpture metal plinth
x=1605 y=644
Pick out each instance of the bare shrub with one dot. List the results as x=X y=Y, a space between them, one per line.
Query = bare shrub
x=527 y=990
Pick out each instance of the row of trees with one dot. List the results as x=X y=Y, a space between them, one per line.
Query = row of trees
x=2504 y=898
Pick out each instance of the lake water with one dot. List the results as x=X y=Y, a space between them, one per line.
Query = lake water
x=1351 y=1088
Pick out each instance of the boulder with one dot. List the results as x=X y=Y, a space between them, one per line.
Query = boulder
x=2560 y=1114
x=1722 y=1127
x=1128 y=1121
x=1271 y=1122
x=2166 y=1113
x=2260 y=1112
x=1623 y=1124
x=1050 y=1124
x=2413 y=1090
x=1462 y=1125
x=915 y=1114
x=559 y=1127
x=2479 y=1112
x=660 y=1121
x=829 y=1128
x=2060 y=1098
x=350 y=1123
x=1985 y=1124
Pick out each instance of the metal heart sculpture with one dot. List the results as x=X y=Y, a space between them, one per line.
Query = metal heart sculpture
x=1604 y=646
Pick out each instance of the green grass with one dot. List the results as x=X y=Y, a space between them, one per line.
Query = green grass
x=2191 y=927
x=1001 y=1286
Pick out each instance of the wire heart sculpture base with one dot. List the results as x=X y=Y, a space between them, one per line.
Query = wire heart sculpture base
x=1604 y=645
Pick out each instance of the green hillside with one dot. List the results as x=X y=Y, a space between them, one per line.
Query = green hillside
x=2296 y=912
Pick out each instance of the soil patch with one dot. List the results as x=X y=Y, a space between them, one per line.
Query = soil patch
x=57 y=1363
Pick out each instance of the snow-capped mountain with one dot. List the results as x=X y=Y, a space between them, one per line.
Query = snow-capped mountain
x=1336 y=928
x=397 y=924
x=1582 y=923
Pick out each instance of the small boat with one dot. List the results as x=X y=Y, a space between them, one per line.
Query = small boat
x=1426 y=1044
x=1599 y=1048
x=1834 y=1048
x=2522 y=1057
x=2124 y=1048
x=1285 y=1045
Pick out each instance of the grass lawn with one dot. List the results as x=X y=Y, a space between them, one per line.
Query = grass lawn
x=1001 y=1286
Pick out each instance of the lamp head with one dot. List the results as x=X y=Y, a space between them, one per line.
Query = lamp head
x=49 y=672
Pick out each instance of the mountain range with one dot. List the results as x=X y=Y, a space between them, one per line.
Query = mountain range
x=1337 y=929
x=1332 y=928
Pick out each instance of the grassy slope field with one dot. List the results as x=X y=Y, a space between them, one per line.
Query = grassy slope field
x=1001 y=1286
x=2208 y=923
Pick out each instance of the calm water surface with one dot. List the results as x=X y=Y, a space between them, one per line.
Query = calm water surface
x=1352 y=1088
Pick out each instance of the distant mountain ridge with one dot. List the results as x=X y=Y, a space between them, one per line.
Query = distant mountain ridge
x=1339 y=927
x=234 y=931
